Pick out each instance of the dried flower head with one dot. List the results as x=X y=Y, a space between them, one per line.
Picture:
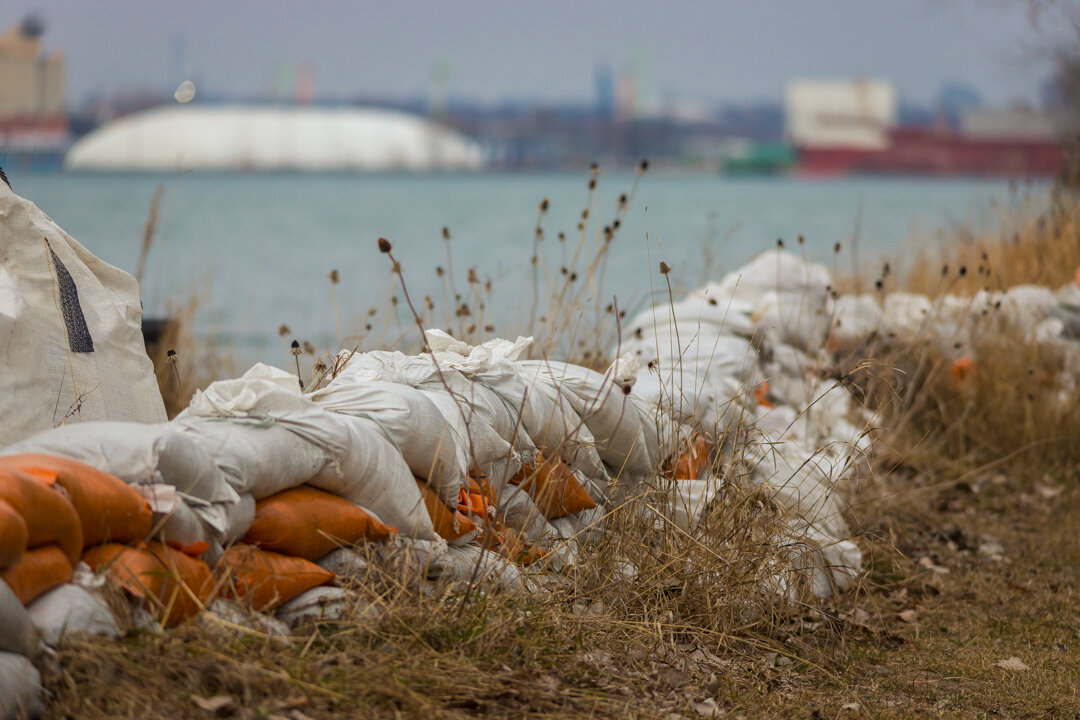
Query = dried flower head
x=562 y=237
x=294 y=348
x=836 y=249
x=592 y=183
x=664 y=268
x=439 y=272
x=445 y=233
x=801 y=240
x=385 y=246
x=780 y=243
x=171 y=357
x=473 y=277
x=309 y=349
x=594 y=169
x=335 y=278
x=283 y=330
x=643 y=165
x=544 y=205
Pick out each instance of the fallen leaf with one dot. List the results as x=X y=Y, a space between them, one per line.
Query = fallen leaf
x=1013 y=663
x=908 y=616
x=214 y=704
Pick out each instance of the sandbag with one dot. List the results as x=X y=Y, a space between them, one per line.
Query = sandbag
x=41 y=568
x=17 y=632
x=175 y=586
x=13 y=535
x=258 y=457
x=108 y=509
x=137 y=454
x=21 y=693
x=554 y=488
x=407 y=417
x=47 y=512
x=366 y=468
x=69 y=609
x=71 y=344
x=324 y=603
x=449 y=523
x=480 y=419
x=265 y=580
x=309 y=523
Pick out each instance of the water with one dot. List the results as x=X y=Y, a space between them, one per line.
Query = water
x=257 y=249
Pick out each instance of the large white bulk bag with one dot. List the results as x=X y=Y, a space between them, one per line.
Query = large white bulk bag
x=69 y=609
x=71 y=345
x=17 y=633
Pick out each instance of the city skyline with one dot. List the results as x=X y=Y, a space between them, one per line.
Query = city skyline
x=487 y=52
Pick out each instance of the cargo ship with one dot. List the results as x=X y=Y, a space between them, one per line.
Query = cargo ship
x=842 y=128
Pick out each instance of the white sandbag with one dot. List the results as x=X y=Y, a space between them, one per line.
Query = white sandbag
x=474 y=403
x=854 y=318
x=584 y=527
x=408 y=418
x=221 y=613
x=21 y=693
x=472 y=423
x=78 y=322
x=774 y=271
x=69 y=609
x=472 y=563
x=797 y=318
x=904 y=315
x=345 y=563
x=617 y=424
x=691 y=498
x=260 y=458
x=137 y=454
x=326 y=603
x=17 y=632
x=366 y=468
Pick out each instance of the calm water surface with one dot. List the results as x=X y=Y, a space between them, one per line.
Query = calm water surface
x=257 y=249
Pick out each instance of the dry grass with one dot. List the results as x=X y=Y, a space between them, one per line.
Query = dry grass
x=654 y=621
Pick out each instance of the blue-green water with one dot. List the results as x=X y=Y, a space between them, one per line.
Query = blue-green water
x=258 y=248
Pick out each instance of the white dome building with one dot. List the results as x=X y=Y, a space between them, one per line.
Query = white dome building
x=195 y=137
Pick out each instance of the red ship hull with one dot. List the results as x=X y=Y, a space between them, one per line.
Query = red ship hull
x=925 y=152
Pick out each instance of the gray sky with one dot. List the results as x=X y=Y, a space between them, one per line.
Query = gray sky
x=504 y=49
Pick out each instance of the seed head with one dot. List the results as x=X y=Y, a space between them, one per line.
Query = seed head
x=335 y=278
x=664 y=268
x=836 y=249
x=309 y=349
x=801 y=240
x=445 y=233
x=294 y=348
x=562 y=237
x=594 y=169
x=171 y=357
x=643 y=165
x=780 y=243
x=283 y=330
x=385 y=246
x=962 y=270
x=544 y=205
x=439 y=272
x=592 y=183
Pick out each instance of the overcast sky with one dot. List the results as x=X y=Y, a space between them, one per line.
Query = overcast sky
x=548 y=49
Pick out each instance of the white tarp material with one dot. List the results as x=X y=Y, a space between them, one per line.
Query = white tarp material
x=70 y=610
x=71 y=341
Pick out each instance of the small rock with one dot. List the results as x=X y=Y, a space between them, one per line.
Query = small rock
x=1013 y=663
x=908 y=616
x=852 y=706
x=709 y=709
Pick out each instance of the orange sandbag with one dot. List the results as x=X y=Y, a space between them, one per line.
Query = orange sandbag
x=511 y=544
x=474 y=500
x=109 y=509
x=554 y=488
x=176 y=585
x=450 y=524
x=40 y=569
x=962 y=369
x=13 y=536
x=693 y=460
x=309 y=523
x=48 y=513
x=761 y=395
x=267 y=579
